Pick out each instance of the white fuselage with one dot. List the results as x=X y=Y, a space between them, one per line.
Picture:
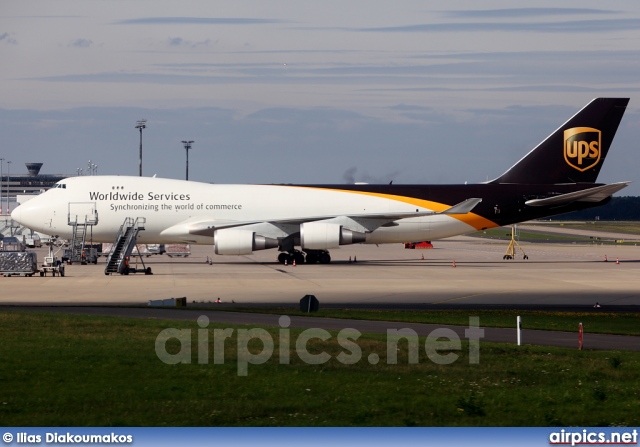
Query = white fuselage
x=173 y=208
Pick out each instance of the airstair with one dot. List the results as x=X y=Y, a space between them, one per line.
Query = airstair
x=78 y=241
x=4 y=226
x=118 y=260
x=82 y=217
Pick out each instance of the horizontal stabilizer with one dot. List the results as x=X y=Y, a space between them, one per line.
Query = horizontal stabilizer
x=596 y=194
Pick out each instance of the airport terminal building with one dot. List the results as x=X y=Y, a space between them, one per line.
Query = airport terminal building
x=32 y=182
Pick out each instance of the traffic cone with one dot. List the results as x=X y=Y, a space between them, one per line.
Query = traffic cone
x=349 y=259
x=605 y=258
x=285 y=262
x=617 y=261
x=454 y=263
x=294 y=262
x=355 y=259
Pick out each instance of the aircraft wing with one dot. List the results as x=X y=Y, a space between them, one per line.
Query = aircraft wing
x=206 y=228
x=463 y=207
x=595 y=194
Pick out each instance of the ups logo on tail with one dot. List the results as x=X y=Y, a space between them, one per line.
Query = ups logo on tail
x=582 y=147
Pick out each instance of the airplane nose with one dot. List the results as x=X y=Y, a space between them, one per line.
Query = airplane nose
x=16 y=214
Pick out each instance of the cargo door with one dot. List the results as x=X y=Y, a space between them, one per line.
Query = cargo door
x=81 y=213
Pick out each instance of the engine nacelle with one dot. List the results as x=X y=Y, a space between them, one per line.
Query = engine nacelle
x=233 y=241
x=323 y=235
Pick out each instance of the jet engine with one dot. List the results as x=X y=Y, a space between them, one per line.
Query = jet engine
x=233 y=241
x=323 y=235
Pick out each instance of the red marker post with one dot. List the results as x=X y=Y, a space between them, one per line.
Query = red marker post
x=580 y=336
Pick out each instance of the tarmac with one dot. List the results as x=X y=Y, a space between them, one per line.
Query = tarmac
x=458 y=273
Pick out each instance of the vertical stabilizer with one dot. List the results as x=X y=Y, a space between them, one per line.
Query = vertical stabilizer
x=576 y=151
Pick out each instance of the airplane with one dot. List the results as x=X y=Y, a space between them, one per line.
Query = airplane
x=557 y=176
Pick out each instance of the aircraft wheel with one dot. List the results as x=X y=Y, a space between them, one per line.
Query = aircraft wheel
x=282 y=257
x=525 y=257
x=325 y=258
x=299 y=257
x=311 y=258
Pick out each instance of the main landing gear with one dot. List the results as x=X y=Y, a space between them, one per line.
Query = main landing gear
x=312 y=257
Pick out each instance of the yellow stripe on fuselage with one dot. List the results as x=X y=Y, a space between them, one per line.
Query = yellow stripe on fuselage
x=475 y=220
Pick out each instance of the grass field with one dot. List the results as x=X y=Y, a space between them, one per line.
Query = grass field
x=66 y=370
x=541 y=234
x=629 y=227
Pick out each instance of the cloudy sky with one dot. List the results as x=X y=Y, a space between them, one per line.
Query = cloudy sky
x=310 y=92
